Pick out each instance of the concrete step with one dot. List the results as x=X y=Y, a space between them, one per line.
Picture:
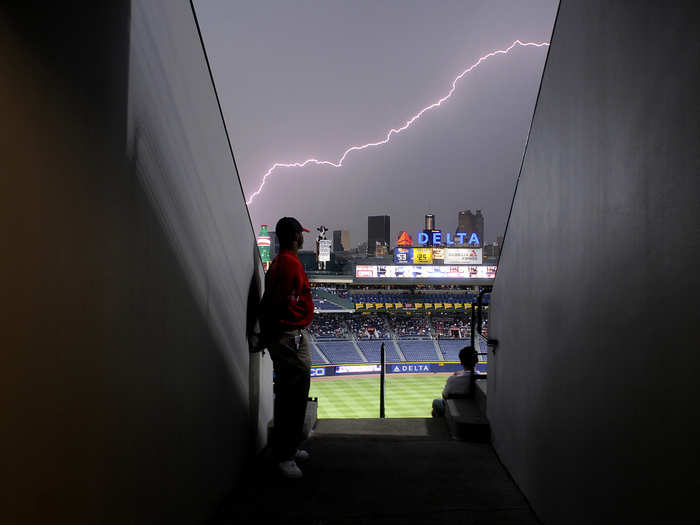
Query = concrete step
x=466 y=421
x=415 y=428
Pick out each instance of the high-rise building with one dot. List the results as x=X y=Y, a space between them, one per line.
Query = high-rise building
x=430 y=228
x=468 y=222
x=341 y=240
x=378 y=230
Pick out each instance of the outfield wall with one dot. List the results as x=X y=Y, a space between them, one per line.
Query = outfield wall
x=402 y=367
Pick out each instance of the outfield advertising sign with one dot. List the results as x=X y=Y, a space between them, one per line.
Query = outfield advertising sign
x=422 y=256
x=403 y=255
x=357 y=369
x=319 y=372
x=425 y=271
x=409 y=368
x=463 y=256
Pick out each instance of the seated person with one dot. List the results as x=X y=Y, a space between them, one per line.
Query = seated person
x=460 y=384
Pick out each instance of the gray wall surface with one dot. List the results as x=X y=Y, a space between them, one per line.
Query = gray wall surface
x=128 y=392
x=593 y=387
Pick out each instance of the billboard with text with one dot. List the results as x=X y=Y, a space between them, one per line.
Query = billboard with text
x=463 y=256
x=425 y=272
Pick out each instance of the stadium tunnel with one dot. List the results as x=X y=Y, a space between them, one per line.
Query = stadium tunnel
x=129 y=393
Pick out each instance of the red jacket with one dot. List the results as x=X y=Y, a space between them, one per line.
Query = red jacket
x=287 y=301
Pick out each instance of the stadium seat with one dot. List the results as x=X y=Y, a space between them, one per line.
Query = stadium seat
x=339 y=352
x=418 y=350
x=371 y=349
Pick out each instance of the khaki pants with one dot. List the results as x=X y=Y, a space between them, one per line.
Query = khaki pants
x=292 y=370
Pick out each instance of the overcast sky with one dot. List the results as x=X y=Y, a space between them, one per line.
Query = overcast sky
x=300 y=79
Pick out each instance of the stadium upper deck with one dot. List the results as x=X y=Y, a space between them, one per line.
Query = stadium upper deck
x=415 y=324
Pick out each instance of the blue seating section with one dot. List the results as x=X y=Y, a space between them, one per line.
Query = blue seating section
x=339 y=351
x=450 y=348
x=316 y=358
x=418 y=350
x=371 y=350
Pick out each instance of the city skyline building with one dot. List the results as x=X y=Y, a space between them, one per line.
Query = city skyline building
x=378 y=231
x=468 y=222
x=341 y=240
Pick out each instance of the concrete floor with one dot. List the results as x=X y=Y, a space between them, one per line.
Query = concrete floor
x=392 y=471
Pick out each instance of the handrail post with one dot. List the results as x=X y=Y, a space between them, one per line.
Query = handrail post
x=381 y=384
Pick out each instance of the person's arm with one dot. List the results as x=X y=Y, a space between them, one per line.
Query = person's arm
x=299 y=298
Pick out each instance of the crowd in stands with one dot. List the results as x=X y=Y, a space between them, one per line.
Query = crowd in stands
x=450 y=325
x=383 y=325
x=369 y=326
x=410 y=325
x=329 y=326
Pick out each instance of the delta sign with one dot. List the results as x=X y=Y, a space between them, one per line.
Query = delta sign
x=436 y=239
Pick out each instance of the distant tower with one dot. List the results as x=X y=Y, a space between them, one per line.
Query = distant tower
x=264 y=242
x=468 y=222
x=378 y=231
x=430 y=228
x=341 y=240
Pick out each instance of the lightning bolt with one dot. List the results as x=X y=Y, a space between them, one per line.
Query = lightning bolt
x=392 y=131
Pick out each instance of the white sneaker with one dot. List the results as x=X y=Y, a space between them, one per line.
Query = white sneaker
x=290 y=469
x=301 y=455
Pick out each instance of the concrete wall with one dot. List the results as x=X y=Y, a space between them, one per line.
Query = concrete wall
x=128 y=393
x=593 y=387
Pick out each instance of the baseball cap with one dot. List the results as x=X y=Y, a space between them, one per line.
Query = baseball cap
x=289 y=225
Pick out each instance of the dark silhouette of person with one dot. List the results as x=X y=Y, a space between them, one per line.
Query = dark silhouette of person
x=287 y=308
x=460 y=384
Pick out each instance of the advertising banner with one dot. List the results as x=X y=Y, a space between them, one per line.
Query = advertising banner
x=418 y=306
x=369 y=306
x=458 y=306
x=426 y=271
x=439 y=254
x=357 y=369
x=378 y=306
x=410 y=368
x=463 y=256
x=418 y=368
x=422 y=256
x=365 y=271
x=324 y=250
x=398 y=305
x=403 y=255
x=319 y=372
x=428 y=306
x=388 y=305
x=448 y=306
x=438 y=306
x=359 y=306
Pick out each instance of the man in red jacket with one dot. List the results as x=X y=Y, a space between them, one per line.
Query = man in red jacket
x=287 y=309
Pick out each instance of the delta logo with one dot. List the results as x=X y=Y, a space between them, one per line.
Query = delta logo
x=411 y=368
x=404 y=239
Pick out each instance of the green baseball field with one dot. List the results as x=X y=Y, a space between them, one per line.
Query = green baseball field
x=358 y=397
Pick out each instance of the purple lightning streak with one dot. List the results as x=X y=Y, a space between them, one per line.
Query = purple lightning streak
x=392 y=131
